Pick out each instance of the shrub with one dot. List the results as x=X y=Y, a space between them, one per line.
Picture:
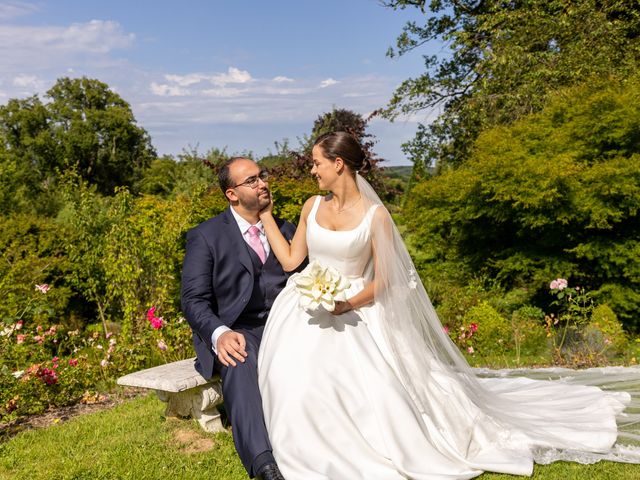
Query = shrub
x=491 y=332
x=605 y=332
x=32 y=251
x=454 y=304
x=289 y=196
x=557 y=192
x=529 y=334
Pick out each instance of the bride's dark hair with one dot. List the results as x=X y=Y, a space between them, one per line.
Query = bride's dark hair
x=345 y=146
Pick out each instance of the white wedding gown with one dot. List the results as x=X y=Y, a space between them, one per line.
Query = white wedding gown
x=335 y=408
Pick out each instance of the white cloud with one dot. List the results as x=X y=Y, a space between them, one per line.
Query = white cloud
x=257 y=101
x=328 y=82
x=186 y=80
x=9 y=10
x=27 y=48
x=96 y=36
x=223 y=92
x=233 y=75
x=280 y=79
x=164 y=90
x=30 y=81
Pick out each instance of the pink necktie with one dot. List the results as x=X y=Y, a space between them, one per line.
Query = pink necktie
x=256 y=244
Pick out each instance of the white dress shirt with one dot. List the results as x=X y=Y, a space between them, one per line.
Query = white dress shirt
x=244 y=226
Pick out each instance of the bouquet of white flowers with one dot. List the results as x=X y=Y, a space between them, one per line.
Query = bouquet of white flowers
x=320 y=286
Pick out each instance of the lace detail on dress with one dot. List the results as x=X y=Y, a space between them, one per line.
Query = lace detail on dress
x=618 y=453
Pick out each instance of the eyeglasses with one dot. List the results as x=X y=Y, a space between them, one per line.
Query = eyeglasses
x=253 y=181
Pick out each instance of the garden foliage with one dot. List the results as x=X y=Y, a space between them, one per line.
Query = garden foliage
x=555 y=194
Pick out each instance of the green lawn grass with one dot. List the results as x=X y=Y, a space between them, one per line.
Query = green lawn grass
x=135 y=441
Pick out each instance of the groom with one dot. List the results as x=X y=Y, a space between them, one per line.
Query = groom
x=229 y=282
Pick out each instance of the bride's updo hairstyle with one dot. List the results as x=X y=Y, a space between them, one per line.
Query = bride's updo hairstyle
x=345 y=146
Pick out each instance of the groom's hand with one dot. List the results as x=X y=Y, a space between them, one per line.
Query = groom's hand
x=231 y=345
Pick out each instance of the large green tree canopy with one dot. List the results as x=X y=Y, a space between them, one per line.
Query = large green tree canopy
x=84 y=126
x=501 y=61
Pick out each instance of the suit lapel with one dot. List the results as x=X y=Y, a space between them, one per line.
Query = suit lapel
x=237 y=240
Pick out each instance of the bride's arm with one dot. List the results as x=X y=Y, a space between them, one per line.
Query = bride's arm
x=290 y=255
x=367 y=294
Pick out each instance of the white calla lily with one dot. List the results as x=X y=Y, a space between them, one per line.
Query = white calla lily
x=320 y=286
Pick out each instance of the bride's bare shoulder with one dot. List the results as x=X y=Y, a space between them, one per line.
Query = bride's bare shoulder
x=306 y=208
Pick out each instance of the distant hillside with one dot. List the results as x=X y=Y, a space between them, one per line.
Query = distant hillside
x=401 y=173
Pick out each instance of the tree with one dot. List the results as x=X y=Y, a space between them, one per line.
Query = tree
x=26 y=153
x=340 y=119
x=555 y=194
x=84 y=127
x=503 y=60
x=96 y=133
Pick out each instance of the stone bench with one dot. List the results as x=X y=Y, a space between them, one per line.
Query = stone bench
x=185 y=391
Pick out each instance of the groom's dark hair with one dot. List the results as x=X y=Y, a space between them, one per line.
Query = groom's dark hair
x=224 y=178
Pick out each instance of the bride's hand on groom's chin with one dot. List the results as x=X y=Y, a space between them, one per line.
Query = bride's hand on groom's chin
x=266 y=211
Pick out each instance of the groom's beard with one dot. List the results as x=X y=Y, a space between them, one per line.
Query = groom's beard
x=264 y=198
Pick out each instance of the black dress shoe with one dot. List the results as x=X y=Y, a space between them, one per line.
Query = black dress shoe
x=270 y=472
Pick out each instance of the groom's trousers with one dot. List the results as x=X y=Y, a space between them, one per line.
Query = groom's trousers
x=243 y=404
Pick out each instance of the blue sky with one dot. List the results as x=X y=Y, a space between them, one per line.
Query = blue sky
x=237 y=74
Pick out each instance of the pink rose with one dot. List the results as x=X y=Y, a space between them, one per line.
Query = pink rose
x=43 y=288
x=48 y=376
x=73 y=362
x=162 y=346
x=157 y=322
x=19 y=325
x=473 y=327
x=20 y=338
x=470 y=350
x=558 y=284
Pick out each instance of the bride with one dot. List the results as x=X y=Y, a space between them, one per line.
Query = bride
x=376 y=390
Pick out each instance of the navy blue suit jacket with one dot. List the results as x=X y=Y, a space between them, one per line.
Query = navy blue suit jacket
x=217 y=280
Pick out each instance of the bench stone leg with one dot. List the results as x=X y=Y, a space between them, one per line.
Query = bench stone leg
x=198 y=403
